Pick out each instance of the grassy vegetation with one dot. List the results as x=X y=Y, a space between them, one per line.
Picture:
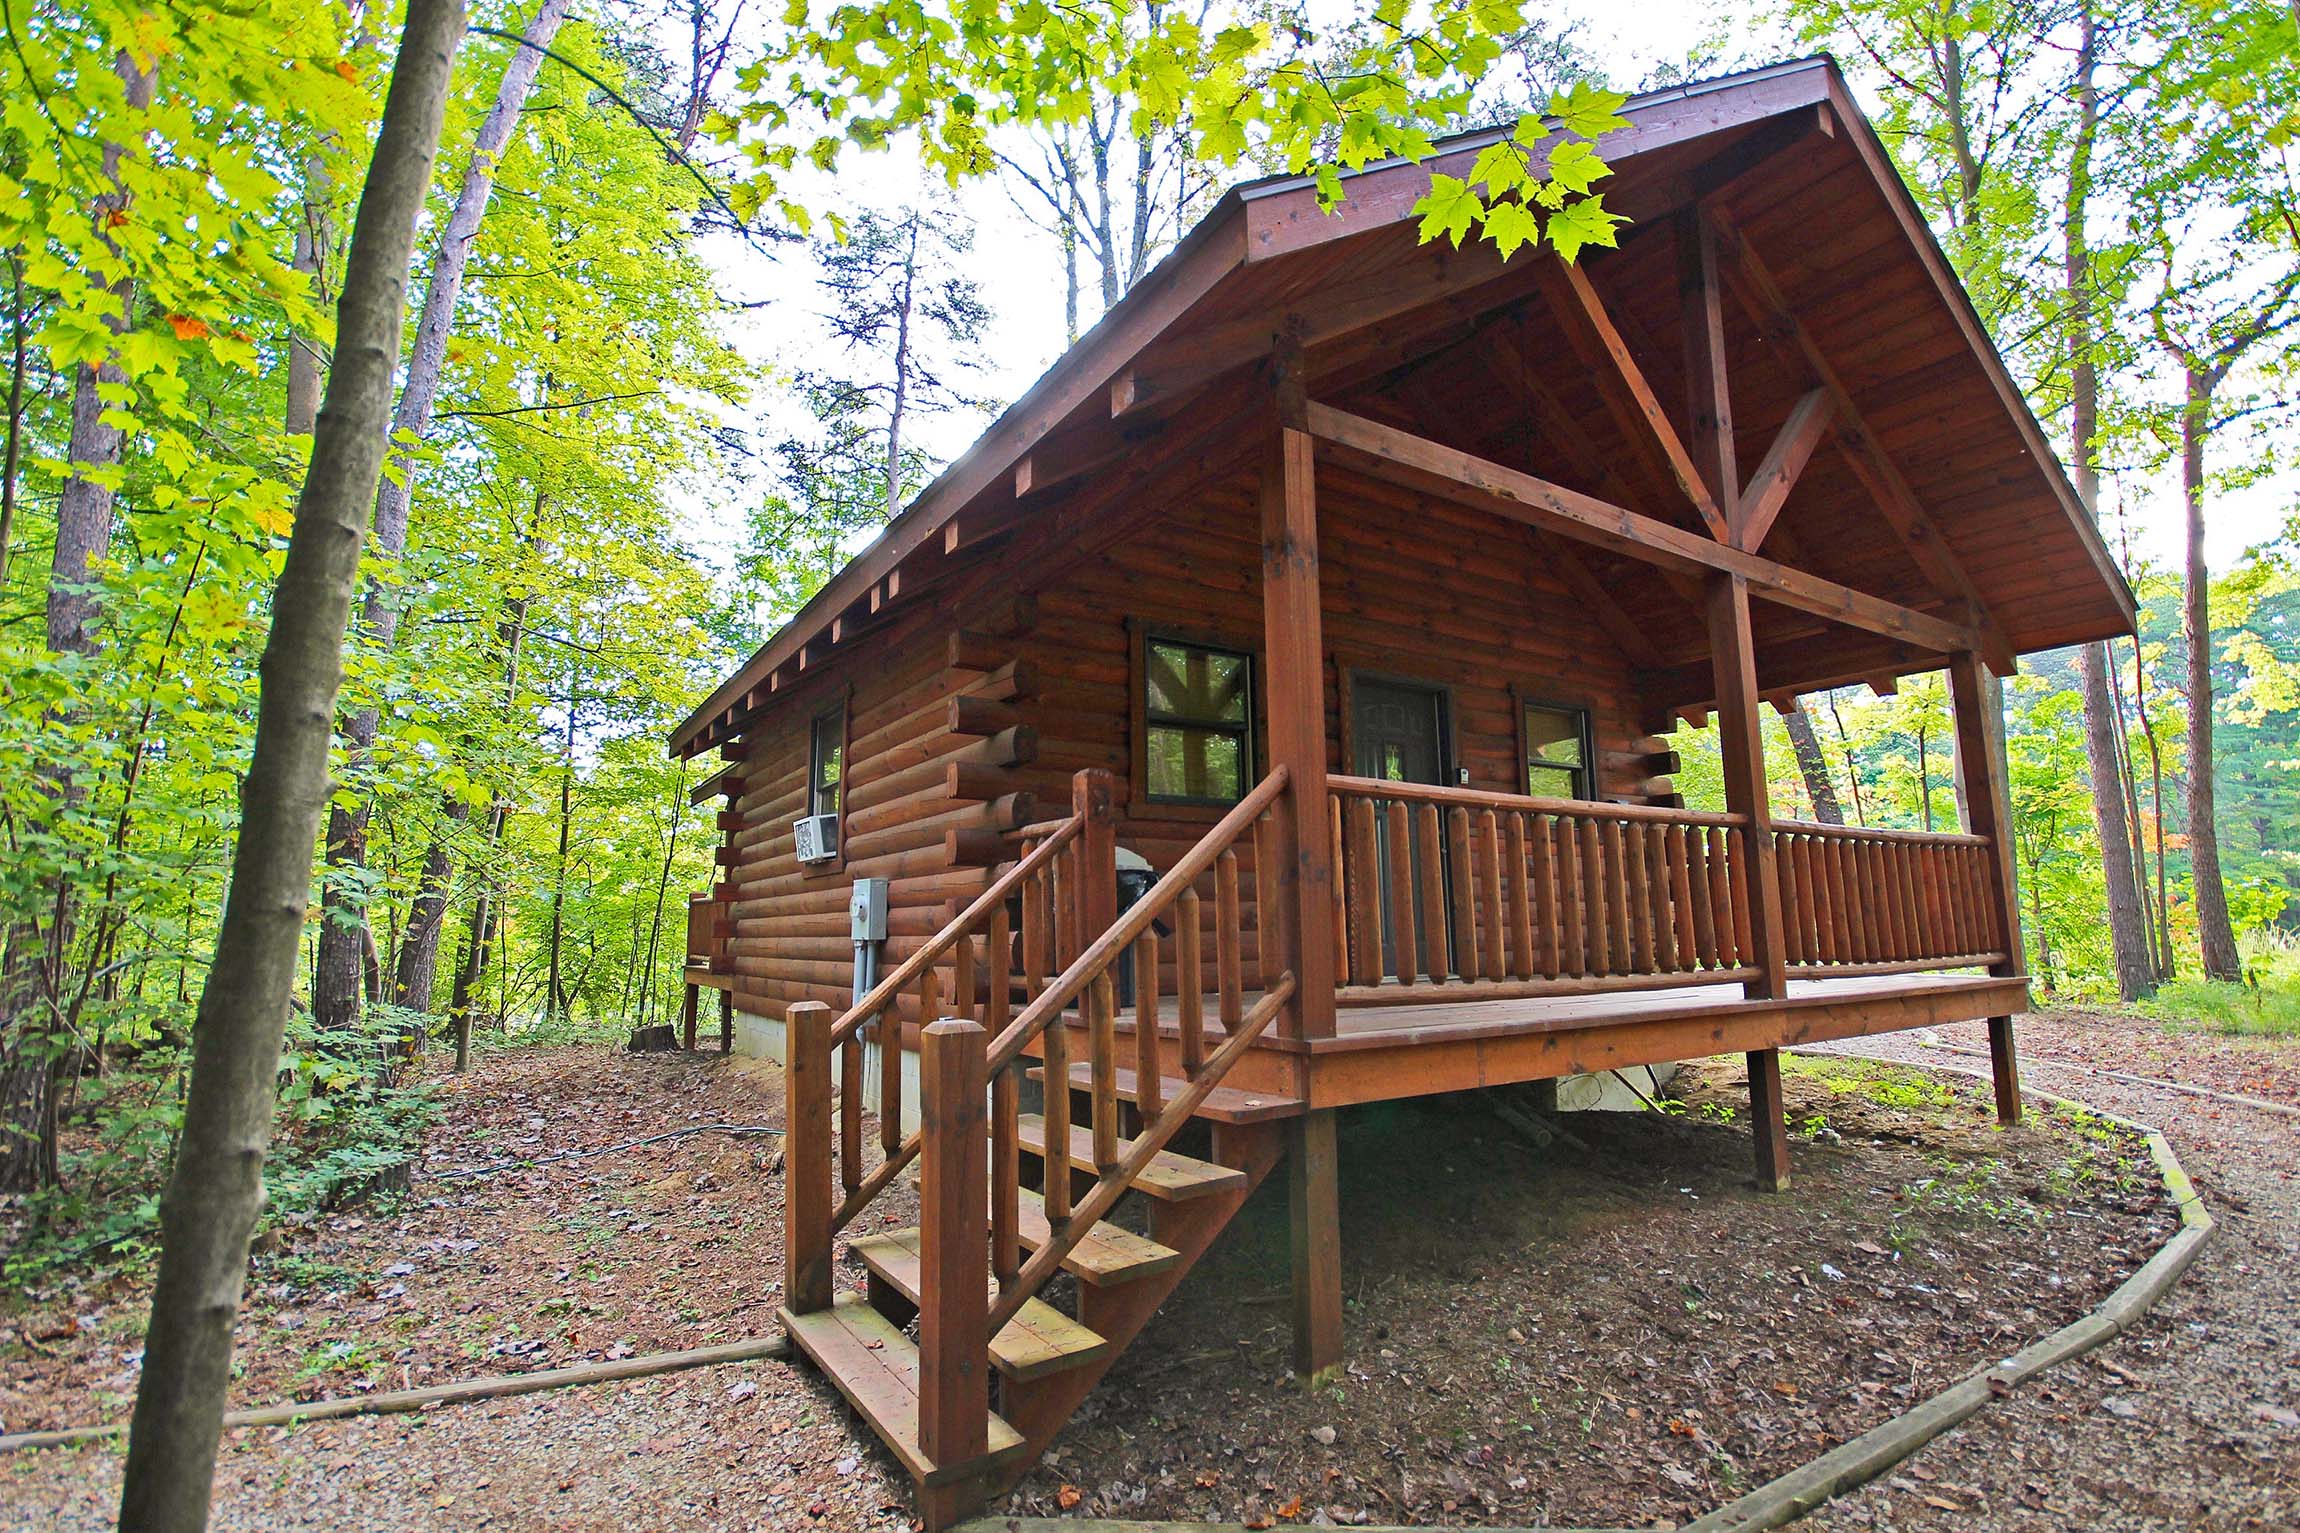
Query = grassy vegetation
x=2266 y=1005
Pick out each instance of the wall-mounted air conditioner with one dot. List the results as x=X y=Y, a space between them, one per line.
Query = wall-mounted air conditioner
x=818 y=837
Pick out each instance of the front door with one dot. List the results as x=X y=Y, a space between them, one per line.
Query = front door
x=1398 y=734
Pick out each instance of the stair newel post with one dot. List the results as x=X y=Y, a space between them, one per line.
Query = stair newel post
x=1094 y=799
x=807 y=1204
x=954 y=1296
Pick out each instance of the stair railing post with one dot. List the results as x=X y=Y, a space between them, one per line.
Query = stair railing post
x=807 y=1204
x=954 y=1273
x=1094 y=799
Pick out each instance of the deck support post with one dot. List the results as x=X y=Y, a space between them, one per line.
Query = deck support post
x=954 y=1245
x=1314 y=1184
x=1741 y=746
x=1771 y=1124
x=1979 y=711
x=687 y=1017
x=1294 y=660
x=727 y=1021
x=807 y=1202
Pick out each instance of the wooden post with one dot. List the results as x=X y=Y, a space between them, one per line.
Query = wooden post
x=807 y=1204
x=1294 y=655
x=1314 y=1159
x=726 y=1021
x=1709 y=404
x=1094 y=799
x=1741 y=745
x=1765 y=1108
x=953 y=1243
x=1988 y=813
x=687 y=1017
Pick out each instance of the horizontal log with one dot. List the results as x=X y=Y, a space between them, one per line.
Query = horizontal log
x=1478 y=798
x=969 y=715
x=970 y=651
x=968 y=783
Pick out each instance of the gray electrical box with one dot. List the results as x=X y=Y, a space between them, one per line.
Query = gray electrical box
x=866 y=910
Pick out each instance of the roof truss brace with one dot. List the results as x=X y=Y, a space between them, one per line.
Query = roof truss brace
x=1522 y=497
x=1756 y=290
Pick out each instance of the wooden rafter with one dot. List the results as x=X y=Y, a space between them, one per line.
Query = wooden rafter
x=1623 y=384
x=1754 y=287
x=1768 y=489
x=1708 y=398
x=1526 y=498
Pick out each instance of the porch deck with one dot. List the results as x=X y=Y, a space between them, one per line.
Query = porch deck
x=1380 y=1053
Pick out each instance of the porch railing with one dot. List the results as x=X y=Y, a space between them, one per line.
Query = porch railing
x=1452 y=892
x=1860 y=900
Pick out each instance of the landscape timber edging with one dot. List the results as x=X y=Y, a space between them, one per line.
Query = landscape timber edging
x=1855 y=1463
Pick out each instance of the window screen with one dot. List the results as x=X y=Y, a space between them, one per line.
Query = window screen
x=1197 y=718
x=1556 y=752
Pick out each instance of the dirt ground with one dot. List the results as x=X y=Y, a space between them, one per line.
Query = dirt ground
x=1625 y=1335
x=2191 y=1421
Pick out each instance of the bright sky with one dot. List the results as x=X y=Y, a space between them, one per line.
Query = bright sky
x=1018 y=267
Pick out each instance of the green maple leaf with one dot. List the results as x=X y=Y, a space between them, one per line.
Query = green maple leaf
x=1582 y=224
x=1448 y=208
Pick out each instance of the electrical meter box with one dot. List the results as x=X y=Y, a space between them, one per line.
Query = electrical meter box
x=866 y=910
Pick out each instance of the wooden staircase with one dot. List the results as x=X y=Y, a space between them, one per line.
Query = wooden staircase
x=955 y=1354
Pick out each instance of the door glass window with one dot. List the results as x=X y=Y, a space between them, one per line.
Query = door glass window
x=1197 y=715
x=1556 y=752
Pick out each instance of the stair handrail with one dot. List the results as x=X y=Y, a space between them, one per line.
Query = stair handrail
x=1057 y=834
x=1103 y=952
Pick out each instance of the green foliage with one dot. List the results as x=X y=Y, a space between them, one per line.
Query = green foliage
x=2267 y=1004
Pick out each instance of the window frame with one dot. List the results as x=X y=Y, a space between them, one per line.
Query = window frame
x=1587 y=775
x=829 y=721
x=1141 y=720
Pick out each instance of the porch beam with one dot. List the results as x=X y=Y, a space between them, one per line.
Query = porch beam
x=1988 y=812
x=1423 y=464
x=1589 y=325
x=1768 y=491
x=1755 y=288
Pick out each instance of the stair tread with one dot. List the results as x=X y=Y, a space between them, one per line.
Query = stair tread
x=877 y=1368
x=1168 y=1175
x=1039 y=1340
x=1104 y=1255
x=1224 y=1104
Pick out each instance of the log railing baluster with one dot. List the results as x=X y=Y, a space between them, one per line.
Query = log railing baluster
x=1737 y=877
x=1549 y=940
x=1266 y=955
x=1495 y=961
x=1397 y=822
x=1572 y=903
x=1189 y=983
x=851 y=1090
x=1054 y=1049
x=1149 y=1070
x=1518 y=863
x=1230 y=997
x=1362 y=892
x=1703 y=903
x=1637 y=889
x=1617 y=918
x=1102 y=1067
x=1463 y=879
x=1341 y=885
x=1596 y=913
x=1431 y=868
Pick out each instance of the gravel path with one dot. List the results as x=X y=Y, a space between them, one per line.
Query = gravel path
x=2192 y=1421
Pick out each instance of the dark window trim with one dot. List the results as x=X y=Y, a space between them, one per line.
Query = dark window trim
x=835 y=711
x=1141 y=635
x=1590 y=772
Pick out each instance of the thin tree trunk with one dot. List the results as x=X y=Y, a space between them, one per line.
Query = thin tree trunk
x=412 y=976
x=215 y=1192
x=2129 y=775
x=901 y=376
x=1852 y=768
x=663 y=889
x=17 y=367
x=554 y=996
x=2215 y=934
x=2127 y=927
x=1924 y=780
x=1814 y=768
x=343 y=920
x=2166 y=968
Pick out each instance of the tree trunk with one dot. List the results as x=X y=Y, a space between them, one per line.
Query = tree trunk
x=215 y=1192
x=901 y=376
x=2127 y=926
x=2215 y=935
x=663 y=888
x=1814 y=768
x=32 y=1046
x=554 y=995
x=427 y=918
x=343 y=914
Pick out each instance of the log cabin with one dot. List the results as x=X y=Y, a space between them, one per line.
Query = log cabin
x=1265 y=716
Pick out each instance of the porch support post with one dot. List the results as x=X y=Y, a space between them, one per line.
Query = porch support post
x=1988 y=812
x=1314 y=1158
x=807 y=1199
x=1294 y=665
x=1741 y=746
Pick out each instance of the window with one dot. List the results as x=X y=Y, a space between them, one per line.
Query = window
x=1556 y=752
x=826 y=758
x=1197 y=723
